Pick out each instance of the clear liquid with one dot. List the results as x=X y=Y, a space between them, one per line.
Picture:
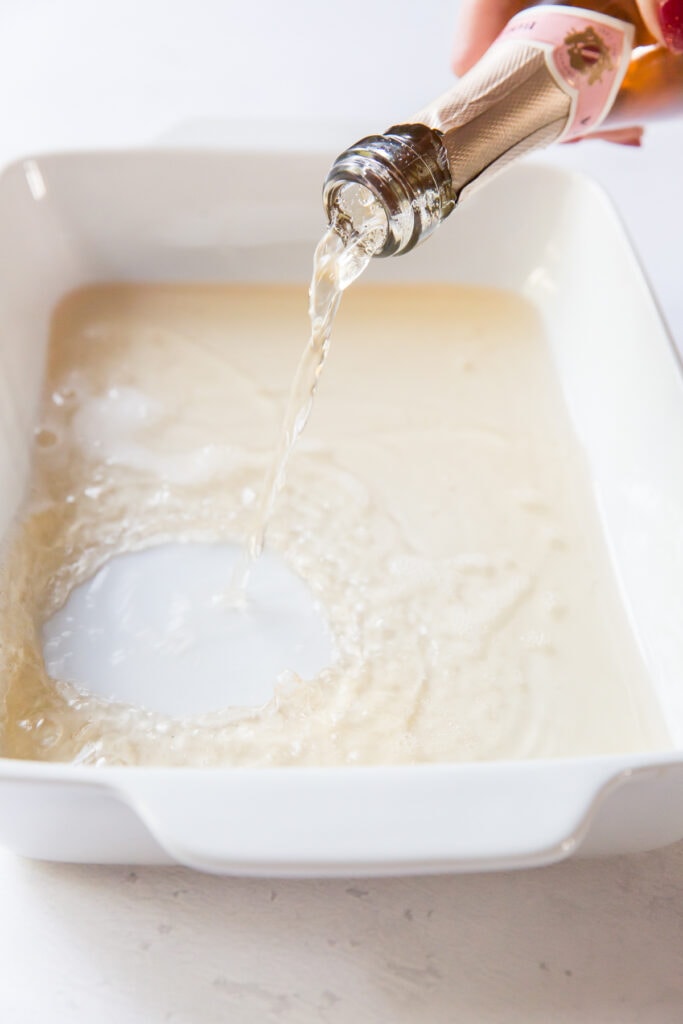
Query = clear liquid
x=341 y=256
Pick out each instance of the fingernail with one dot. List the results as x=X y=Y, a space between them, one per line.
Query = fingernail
x=671 y=20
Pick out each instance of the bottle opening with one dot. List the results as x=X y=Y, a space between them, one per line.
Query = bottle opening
x=355 y=212
x=405 y=173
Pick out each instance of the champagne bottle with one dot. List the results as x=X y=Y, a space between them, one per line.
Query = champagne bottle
x=555 y=73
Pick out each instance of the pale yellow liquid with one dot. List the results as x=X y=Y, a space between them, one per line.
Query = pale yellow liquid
x=336 y=265
x=437 y=505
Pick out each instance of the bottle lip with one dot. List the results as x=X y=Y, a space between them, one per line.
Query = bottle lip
x=407 y=171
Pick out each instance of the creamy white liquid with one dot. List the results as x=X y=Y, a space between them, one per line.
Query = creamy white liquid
x=437 y=508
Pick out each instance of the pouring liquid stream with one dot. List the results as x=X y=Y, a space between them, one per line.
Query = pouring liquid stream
x=357 y=231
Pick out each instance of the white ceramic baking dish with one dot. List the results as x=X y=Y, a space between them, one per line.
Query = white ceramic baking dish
x=67 y=220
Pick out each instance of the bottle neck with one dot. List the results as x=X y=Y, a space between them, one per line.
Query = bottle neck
x=624 y=10
x=407 y=172
x=509 y=104
x=552 y=74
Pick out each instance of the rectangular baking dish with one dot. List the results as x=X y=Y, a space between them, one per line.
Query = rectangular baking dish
x=70 y=220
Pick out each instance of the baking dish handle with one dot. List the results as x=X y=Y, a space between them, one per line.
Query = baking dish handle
x=365 y=821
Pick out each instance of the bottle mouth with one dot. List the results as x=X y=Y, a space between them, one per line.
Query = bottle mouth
x=406 y=173
x=356 y=214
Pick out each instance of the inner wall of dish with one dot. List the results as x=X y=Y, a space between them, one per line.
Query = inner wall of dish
x=83 y=225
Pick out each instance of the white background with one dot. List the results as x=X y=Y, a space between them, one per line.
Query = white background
x=590 y=942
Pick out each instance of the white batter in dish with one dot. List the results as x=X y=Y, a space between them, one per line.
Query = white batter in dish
x=437 y=507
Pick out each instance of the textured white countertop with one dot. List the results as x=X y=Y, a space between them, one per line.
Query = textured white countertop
x=591 y=942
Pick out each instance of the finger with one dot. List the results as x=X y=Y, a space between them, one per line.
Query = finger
x=652 y=88
x=631 y=136
x=478 y=23
x=664 y=19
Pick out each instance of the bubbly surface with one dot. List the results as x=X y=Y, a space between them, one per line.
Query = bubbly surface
x=437 y=508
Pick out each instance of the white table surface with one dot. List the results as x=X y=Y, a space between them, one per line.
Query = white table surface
x=591 y=942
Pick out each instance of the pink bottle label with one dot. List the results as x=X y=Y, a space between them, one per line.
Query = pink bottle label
x=587 y=53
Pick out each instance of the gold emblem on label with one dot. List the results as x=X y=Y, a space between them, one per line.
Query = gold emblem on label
x=588 y=54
